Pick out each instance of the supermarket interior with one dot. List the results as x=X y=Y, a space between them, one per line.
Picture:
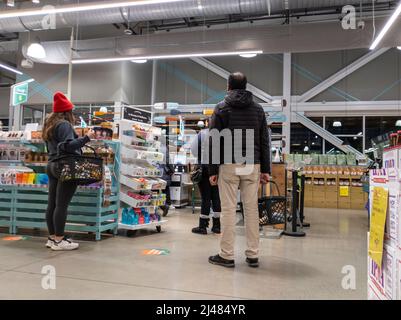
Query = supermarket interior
x=107 y=109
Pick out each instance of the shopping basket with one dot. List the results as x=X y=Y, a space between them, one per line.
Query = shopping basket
x=272 y=209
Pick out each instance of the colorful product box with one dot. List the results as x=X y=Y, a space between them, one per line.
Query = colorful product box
x=383 y=280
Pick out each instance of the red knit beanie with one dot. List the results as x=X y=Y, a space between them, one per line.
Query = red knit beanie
x=61 y=103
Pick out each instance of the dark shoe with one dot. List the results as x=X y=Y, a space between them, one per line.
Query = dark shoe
x=252 y=262
x=217 y=260
x=165 y=210
x=202 y=229
x=216 y=226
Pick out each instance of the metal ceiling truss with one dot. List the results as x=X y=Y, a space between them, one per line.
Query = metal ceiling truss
x=297 y=106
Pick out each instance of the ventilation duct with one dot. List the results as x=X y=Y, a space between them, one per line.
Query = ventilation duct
x=149 y=12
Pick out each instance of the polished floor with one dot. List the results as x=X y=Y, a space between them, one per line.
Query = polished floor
x=116 y=268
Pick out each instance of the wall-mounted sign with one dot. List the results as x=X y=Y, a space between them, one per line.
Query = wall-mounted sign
x=19 y=93
x=137 y=115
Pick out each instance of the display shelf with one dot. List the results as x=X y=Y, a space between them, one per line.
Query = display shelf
x=35 y=164
x=86 y=213
x=10 y=161
x=141 y=226
x=137 y=186
x=130 y=153
x=139 y=156
x=131 y=142
x=130 y=170
x=136 y=203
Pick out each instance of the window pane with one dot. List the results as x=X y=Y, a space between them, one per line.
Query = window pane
x=302 y=137
x=377 y=126
x=344 y=125
x=355 y=142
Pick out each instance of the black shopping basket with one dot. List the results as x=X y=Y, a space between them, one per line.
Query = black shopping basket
x=272 y=209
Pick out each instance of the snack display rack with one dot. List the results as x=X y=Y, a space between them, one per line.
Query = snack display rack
x=140 y=178
x=23 y=203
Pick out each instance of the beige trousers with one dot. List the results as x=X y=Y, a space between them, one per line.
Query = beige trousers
x=246 y=177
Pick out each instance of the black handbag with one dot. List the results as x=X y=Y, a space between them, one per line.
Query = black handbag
x=80 y=169
x=196 y=175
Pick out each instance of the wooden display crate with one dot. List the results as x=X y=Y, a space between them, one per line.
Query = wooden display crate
x=331 y=204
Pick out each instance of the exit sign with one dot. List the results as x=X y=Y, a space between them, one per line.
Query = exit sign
x=19 y=93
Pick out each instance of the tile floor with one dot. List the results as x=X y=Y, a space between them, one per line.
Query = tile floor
x=115 y=268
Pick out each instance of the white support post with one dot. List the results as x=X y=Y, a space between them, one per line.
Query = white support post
x=343 y=73
x=287 y=96
x=154 y=82
x=69 y=85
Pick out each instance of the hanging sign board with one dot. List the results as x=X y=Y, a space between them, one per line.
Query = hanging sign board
x=137 y=115
x=19 y=93
x=377 y=223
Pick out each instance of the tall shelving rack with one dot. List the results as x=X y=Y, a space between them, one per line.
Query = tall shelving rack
x=139 y=176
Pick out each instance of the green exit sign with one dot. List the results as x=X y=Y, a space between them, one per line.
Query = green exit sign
x=19 y=93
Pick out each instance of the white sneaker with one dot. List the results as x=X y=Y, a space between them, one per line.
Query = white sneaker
x=64 y=245
x=49 y=243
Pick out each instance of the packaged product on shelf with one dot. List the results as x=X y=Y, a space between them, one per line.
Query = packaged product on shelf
x=11 y=135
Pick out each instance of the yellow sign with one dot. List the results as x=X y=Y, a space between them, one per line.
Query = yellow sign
x=208 y=112
x=344 y=191
x=378 y=214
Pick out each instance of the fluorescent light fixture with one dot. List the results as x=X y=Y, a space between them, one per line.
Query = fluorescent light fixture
x=79 y=8
x=172 y=56
x=36 y=51
x=248 y=55
x=387 y=27
x=337 y=124
x=140 y=61
x=35 y=1
x=29 y=80
x=4 y=66
x=399 y=48
x=398 y=123
x=10 y=3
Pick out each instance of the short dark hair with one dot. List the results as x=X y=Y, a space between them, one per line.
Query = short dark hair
x=237 y=80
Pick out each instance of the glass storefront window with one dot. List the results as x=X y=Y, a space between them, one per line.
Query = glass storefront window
x=355 y=142
x=344 y=125
x=303 y=139
x=377 y=126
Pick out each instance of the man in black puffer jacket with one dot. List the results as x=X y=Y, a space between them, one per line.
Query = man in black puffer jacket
x=240 y=157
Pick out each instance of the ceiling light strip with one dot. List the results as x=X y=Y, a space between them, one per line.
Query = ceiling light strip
x=387 y=27
x=79 y=8
x=173 y=56
x=6 y=67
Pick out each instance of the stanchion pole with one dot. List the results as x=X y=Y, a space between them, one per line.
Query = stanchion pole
x=295 y=230
x=302 y=202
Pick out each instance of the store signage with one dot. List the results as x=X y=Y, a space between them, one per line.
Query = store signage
x=377 y=224
x=19 y=93
x=344 y=191
x=137 y=115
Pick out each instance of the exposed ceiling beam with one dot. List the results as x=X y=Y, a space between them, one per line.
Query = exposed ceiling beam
x=343 y=73
x=225 y=74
